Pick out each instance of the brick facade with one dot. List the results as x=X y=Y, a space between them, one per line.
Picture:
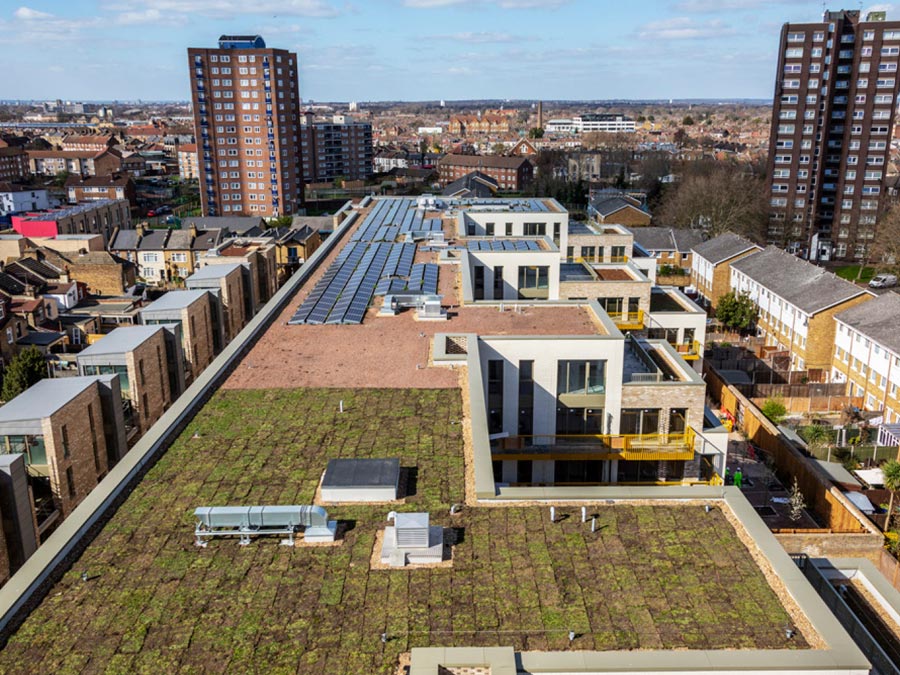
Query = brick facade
x=75 y=471
x=148 y=376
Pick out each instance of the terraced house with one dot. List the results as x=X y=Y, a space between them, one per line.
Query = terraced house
x=867 y=354
x=797 y=302
x=711 y=265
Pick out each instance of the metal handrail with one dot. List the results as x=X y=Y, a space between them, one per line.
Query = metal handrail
x=611 y=441
x=628 y=318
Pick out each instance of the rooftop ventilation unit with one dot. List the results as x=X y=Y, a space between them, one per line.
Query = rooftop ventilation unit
x=412 y=540
x=411 y=530
x=249 y=521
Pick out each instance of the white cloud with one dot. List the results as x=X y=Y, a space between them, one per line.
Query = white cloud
x=28 y=14
x=167 y=9
x=503 y=4
x=684 y=28
x=153 y=16
x=31 y=25
x=480 y=38
x=707 y=6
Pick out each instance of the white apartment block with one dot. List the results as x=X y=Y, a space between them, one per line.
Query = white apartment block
x=14 y=199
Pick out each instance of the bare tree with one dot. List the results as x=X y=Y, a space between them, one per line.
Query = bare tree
x=797 y=502
x=717 y=198
x=885 y=247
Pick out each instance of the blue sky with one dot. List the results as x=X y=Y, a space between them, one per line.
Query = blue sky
x=408 y=49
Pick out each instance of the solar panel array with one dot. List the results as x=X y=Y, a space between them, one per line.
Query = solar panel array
x=503 y=245
x=370 y=263
x=518 y=205
x=424 y=279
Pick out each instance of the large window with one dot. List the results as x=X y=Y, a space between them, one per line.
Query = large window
x=535 y=229
x=121 y=371
x=639 y=421
x=578 y=421
x=581 y=377
x=526 y=398
x=495 y=396
x=31 y=446
x=534 y=277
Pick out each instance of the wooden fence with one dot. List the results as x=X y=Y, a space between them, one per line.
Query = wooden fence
x=834 y=511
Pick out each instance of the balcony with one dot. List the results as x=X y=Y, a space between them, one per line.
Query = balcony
x=633 y=447
x=628 y=320
x=690 y=351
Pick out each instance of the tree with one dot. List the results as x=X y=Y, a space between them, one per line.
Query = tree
x=717 y=197
x=891 y=471
x=26 y=368
x=535 y=132
x=774 y=409
x=885 y=247
x=681 y=138
x=736 y=311
x=687 y=121
x=797 y=502
x=817 y=437
x=499 y=149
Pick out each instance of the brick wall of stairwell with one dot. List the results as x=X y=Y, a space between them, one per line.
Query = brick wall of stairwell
x=88 y=466
x=154 y=383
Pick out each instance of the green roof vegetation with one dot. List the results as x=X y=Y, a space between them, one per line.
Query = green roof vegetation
x=650 y=577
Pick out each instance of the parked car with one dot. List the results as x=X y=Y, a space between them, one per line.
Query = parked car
x=151 y=213
x=883 y=281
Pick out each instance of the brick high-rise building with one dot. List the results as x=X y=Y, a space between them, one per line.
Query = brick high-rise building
x=835 y=96
x=246 y=101
x=336 y=148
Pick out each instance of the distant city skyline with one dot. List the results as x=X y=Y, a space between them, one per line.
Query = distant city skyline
x=412 y=50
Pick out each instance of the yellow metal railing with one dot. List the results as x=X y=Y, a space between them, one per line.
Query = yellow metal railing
x=678 y=446
x=690 y=351
x=628 y=320
x=613 y=259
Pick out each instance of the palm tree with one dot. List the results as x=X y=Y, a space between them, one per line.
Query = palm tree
x=817 y=437
x=891 y=471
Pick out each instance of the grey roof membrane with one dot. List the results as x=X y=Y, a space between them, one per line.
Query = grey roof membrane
x=360 y=473
x=121 y=340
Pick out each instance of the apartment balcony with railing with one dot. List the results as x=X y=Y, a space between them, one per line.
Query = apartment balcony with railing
x=579 y=447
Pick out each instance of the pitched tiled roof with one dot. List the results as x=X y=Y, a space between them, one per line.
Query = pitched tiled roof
x=483 y=161
x=124 y=240
x=724 y=247
x=877 y=319
x=804 y=285
x=474 y=184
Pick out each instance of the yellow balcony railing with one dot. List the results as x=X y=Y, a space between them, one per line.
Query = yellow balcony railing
x=646 y=447
x=690 y=351
x=613 y=259
x=628 y=320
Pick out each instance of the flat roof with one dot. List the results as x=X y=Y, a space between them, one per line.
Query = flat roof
x=650 y=577
x=121 y=340
x=44 y=398
x=174 y=300
x=217 y=271
x=68 y=211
